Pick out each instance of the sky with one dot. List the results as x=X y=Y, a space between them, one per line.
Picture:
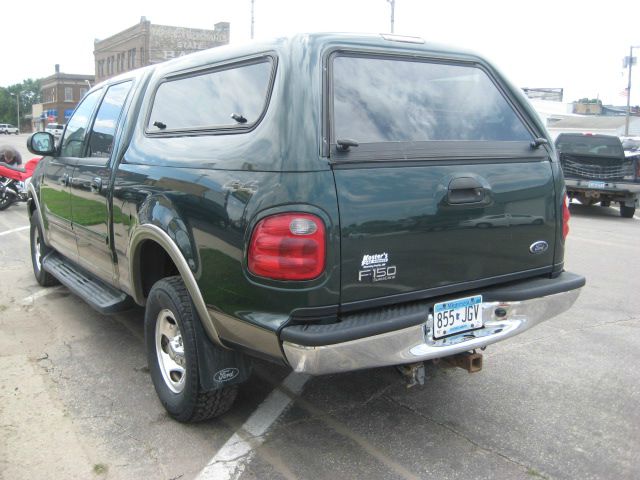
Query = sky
x=575 y=45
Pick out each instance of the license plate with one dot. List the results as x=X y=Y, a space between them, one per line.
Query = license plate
x=595 y=184
x=457 y=316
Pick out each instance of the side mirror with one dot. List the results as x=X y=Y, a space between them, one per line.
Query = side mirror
x=41 y=143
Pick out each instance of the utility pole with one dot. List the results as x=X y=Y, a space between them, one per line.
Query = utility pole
x=17 y=95
x=629 y=65
x=393 y=8
x=252 y=1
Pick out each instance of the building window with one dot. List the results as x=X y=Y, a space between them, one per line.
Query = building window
x=83 y=92
x=142 y=60
x=68 y=94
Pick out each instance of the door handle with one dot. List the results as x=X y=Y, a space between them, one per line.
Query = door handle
x=465 y=190
x=96 y=184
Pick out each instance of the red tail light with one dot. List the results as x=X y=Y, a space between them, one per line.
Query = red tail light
x=565 y=216
x=288 y=246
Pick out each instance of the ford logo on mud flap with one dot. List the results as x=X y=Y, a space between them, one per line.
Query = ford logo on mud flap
x=226 y=375
x=539 y=247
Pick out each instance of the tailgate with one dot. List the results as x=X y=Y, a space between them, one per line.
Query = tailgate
x=404 y=230
x=437 y=180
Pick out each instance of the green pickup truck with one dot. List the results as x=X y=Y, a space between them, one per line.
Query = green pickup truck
x=326 y=202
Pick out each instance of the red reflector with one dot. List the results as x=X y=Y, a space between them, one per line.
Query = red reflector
x=288 y=246
x=565 y=216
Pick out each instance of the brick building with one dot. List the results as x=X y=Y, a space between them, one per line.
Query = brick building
x=60 y=94
x=145 y=44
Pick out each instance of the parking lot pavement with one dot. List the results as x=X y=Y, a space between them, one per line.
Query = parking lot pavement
x=559 y=401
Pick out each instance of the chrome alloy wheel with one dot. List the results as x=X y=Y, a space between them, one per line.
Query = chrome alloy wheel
x=170 y=351
x=37 y=254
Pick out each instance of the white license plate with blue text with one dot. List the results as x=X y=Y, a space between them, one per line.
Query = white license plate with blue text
x=457 y=316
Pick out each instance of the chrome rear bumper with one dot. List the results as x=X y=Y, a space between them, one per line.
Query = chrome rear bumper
x=416 y=343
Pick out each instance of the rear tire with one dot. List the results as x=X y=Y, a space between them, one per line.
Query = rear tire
x=38 y=251
x=627 y=212
x=7 y=198
x=171 y=353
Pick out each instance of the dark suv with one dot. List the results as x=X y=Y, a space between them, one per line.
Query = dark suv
x=316 y=201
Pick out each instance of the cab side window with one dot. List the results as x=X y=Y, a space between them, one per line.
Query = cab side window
x=76 y=132
x=104 y=127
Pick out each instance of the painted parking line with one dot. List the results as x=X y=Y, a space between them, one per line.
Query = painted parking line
x=230 y=461
x=14 y=230
x=39 y=294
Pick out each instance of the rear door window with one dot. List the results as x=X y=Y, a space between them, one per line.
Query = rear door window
x=104 y=126
x=74 y=139
x=379 y=99
x=229 y=97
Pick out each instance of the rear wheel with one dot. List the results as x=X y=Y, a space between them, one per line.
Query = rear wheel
x=38 y=251
x=627 y=212
x=171 y=352
x=6 y=199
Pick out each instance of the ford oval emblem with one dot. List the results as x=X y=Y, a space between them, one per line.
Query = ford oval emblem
x=538 y=247
x=226 y=375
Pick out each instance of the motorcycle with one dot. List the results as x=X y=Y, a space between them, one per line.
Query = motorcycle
x=14 y=182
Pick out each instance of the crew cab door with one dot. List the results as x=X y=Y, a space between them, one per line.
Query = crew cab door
x=438 y=184
x=90 y=186
x=55 y=196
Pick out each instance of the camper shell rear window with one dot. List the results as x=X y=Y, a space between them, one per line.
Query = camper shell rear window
x=381 y=99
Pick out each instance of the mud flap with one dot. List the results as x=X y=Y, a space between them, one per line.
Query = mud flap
x=219 y=367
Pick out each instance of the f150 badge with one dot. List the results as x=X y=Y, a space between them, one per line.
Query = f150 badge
x=376 y=268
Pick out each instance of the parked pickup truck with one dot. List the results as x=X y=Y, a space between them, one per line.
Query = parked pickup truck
x=315 y=201
x=597 y=169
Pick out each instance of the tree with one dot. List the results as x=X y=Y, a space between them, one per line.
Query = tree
x=28 y=93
